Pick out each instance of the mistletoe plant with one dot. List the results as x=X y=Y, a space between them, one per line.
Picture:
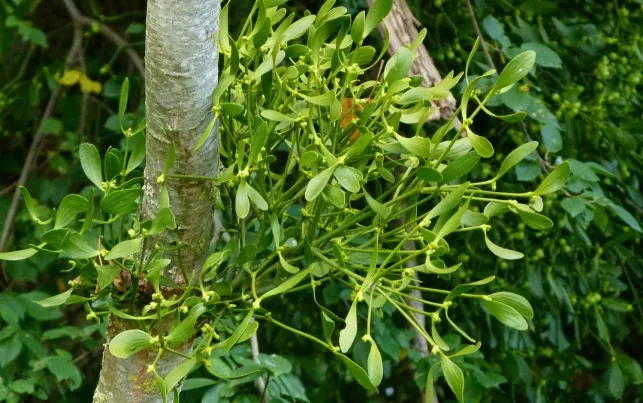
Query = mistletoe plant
x=320 y=187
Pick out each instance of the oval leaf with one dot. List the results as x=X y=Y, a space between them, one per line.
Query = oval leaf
x=129 y=342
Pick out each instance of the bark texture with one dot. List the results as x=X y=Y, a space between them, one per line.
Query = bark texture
x=181 y=74
x=401 y=25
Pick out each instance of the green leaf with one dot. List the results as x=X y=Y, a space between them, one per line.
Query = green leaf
x=185 y=329
x=51 y=126
x=631 y=367
x=357 y=30
x=286 y=285
x=421 y=94
x=358 y=373
x=437 y=338
x=429 y=174
x=221 y=370
x=379 y=208
x=251 y=329
x=179 y=372
x=138 y=153
x=238 y=332
x=506 y=314
x=460 y=167
x=153 y=274
x=329 y=325
x=26 y=196
x=473 y=219
x=256 y=197
x=122 y=101
x=160 y=385
x=90 y=161
x=616 y=381
x=501 y=252
x=287 y=266
x=56 y=300
x=197 y=383
x=242 y=201
x=453 y=222
x=326 y=99
x=298 y=28
x=514 y=157
x=347 y=335
x=480 y=144
x=129 y=342
x=398 y=66
x=257 y=142
x=626 y=216
x=69 y=207
x=376 y=14
x=555 y=180
x=261 y=36
x=551 y=138
x=582 y=170
x=418 y=146
x=276 y=116
x=493 y=209
x=267 y=65
x=206 y=133
x=515 y=117
x=470 y=349
x=164 y=220
x=516 y=69
x=335 y=195
x=318 y=182
x=171 y=158
x=74 y=246
x=533 y=220
x=449 y=202
x=375 y=368
x=106 y=275
x=462 y=288
x=545 y=56
x=348 y=178
x=232 y=110
x=276 y=364
x=453 y=375
x=120 y=201
x=125 y=249
x=18 y=254
x=518 y=302
x=493 y=27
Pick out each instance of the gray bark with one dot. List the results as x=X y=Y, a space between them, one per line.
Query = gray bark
x=181 y=74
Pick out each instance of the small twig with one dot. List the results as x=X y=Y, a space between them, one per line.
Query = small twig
x=476 y=27
x=108 y=32
x=261 y=384
x=34 y=148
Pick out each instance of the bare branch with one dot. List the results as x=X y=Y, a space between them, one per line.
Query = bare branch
x=110 y=34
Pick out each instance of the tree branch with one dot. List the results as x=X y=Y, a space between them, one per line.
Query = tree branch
x=110 y=34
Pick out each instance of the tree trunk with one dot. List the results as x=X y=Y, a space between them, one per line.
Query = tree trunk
x=181 y=74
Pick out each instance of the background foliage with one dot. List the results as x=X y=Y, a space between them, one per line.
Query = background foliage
x=583 y=277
